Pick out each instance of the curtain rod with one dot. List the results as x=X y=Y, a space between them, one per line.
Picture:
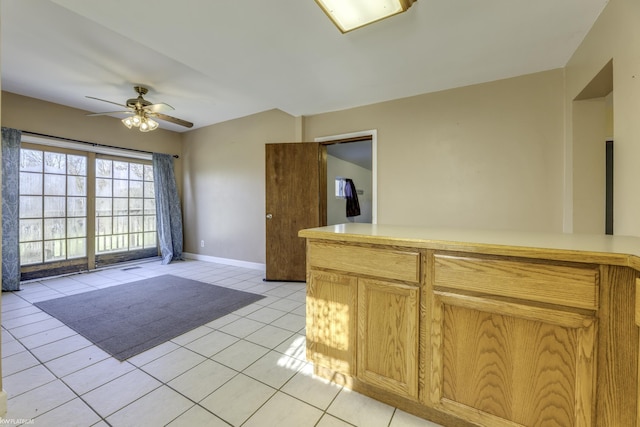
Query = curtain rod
x=94 y=144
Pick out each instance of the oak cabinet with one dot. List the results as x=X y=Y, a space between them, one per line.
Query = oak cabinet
x=515 y=361
x=472 y=329
x=510 y=365
x=364 y=327
x=366 y=261
x=387 y=346
x=331 y=321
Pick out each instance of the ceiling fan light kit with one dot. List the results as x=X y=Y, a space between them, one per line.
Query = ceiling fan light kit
x=131 y=121
x=349 y=15
x=148 y=125
x=143 y=112
x=143 y=123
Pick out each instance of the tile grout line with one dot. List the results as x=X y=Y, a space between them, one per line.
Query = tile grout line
x=135 y=366
x=237 y=373
x=275 y=296
x=57 y=378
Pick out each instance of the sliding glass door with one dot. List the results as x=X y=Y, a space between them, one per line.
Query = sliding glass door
x=80 y=210
x=53 y=211
x=125 y=211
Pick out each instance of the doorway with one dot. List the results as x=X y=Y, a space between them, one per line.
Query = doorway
x=295 y=193
x=350 y=156
x=592 y=158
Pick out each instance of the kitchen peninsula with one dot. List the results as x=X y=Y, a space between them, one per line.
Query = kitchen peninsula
x=478 y=328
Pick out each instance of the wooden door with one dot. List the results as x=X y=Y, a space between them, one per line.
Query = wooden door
x=293 y=194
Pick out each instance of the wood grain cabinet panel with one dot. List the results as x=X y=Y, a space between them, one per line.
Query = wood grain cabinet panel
x=384 y=263
x=501 y=355
x=331 y=321
x=496 y=334
x=637 y=323
x=573 y=285
x=388 y=316
x=509 y=364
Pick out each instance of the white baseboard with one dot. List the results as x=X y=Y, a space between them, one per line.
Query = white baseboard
x=226 y=261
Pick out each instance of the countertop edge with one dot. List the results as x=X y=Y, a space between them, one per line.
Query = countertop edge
x=596 y=249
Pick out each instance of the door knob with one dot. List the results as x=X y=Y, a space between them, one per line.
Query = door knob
x=269 y=216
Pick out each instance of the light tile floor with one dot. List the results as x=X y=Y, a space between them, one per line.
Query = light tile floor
x=245 y=369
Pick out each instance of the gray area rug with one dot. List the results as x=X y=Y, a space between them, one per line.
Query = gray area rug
x=125 y=320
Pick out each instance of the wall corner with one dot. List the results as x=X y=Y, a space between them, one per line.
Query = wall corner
x=3 y=404
x=299 y=129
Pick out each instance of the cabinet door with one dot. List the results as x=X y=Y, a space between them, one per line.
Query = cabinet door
x=388 y=315
x=331 y=321
x=509 y=364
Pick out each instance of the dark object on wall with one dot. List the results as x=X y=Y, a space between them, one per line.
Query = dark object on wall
x=353 y=206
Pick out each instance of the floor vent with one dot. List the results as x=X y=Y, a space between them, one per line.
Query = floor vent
x=130 y=268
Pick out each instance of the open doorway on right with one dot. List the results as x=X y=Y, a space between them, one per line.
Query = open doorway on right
x=593 y=126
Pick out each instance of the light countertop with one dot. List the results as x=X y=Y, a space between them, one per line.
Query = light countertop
x=601 y=249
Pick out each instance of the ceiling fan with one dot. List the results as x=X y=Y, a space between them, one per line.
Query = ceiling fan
x=143 y=112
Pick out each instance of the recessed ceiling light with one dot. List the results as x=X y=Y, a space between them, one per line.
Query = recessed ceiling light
x=351 y=14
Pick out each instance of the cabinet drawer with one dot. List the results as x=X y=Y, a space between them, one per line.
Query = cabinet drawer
x=568 y=285
x=382 y=263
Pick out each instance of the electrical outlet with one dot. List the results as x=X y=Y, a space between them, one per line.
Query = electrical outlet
x=202 y=243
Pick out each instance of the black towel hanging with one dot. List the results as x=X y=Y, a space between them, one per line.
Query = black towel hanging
x=353 y=206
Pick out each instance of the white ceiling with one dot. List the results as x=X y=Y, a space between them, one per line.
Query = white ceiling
x=218 y=60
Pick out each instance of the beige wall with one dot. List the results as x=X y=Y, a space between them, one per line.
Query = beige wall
x=224 y=185
x=34 y=115
x=590 y=133
x=483 y=156
x=615 y=35
x=486 y=156
x=497 y=155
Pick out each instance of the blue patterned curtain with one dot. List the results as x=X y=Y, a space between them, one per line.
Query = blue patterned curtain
x=10 y=202
x=168 y=211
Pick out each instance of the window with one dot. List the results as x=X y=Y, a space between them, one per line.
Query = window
x=125 y=206
x=340 y=184
x=53 y=206
x=70 y=199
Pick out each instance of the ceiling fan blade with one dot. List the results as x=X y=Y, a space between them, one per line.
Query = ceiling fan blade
x=110 y=112
x=110 y=102
x=172 y=120
x=156 y=108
